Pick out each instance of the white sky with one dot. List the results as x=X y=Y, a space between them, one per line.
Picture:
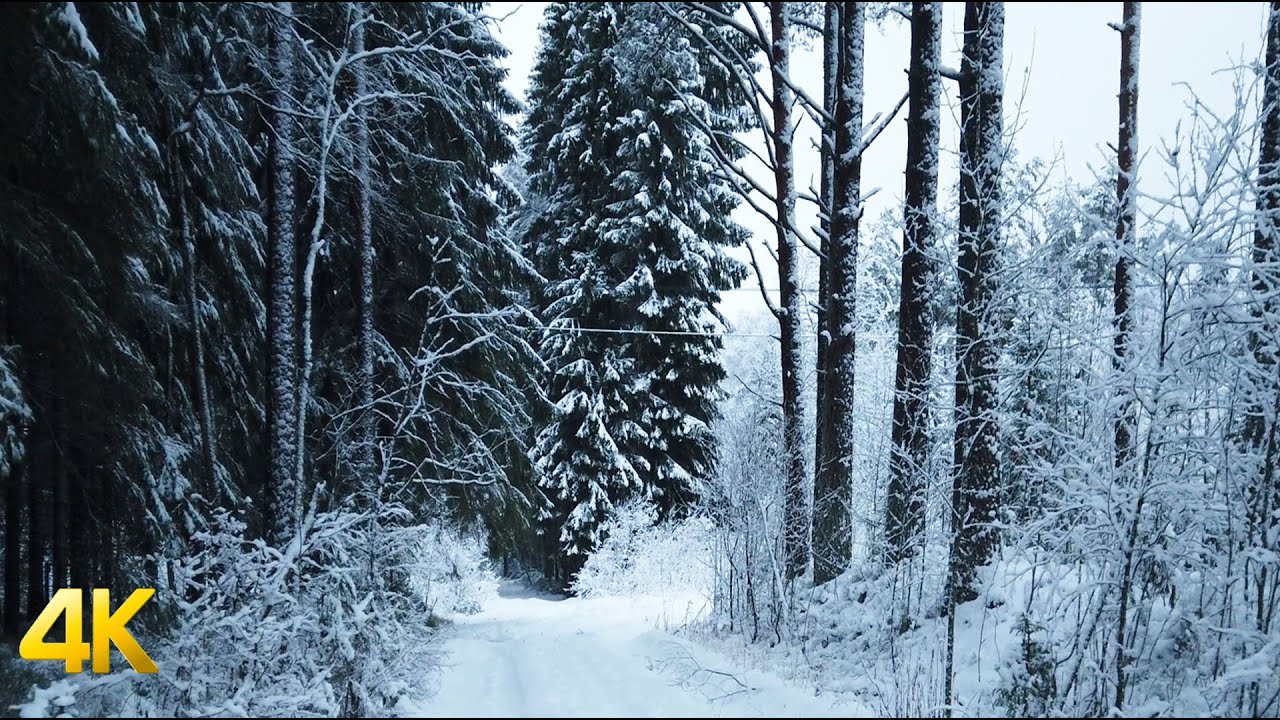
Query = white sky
x=1063 y=54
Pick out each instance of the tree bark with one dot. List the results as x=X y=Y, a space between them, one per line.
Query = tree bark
x=106 y=551
x=1126 y=232
x=833 y=488
x=830 y=60
x=904 y=508
x=1264 y=405
x=36 y=598
x=80 y=551
x=365 y=430
x=16 y=479
x=796 y=512
x=204 y=412
x=279 y=497
x=976 y=488
x=15 y=501
x=1266 y=279
x=61 y=524
x=1126 y=223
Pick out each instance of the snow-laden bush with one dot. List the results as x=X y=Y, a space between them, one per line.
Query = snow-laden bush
x=336 y=624
x=451 y=571
x=745 y=497
x=643 y=558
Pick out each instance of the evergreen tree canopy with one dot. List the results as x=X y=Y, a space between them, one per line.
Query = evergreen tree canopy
x=629 y=234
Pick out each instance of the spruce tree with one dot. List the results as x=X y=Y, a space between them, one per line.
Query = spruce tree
x=451 y=368
x=580 y=453
x=674 y=215
x=127 y=204
x=628 y=238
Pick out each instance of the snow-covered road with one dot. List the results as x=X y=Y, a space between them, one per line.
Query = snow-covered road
x=529 y=655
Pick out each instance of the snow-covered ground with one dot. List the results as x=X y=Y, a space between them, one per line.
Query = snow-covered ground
x=536 y=655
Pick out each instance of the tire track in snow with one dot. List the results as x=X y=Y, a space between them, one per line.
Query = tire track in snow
x=529 y=655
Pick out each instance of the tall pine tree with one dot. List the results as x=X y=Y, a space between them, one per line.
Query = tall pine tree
x=833 y=480
x=904 y=507
x=976 y=488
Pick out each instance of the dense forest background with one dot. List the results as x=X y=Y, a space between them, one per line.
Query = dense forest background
x=300 y=328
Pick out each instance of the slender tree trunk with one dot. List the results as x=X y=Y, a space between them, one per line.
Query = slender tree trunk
x=61 y=500
x=79 y=528
x=1126 y=589
x=365 y=432
x=1126 y=232
x=1126 y=222
x=976 y=489
x=830 y=60
x=36 y=597
x=796 y=514
x=367 y=489
x=1266 y=270
x=281 y=491
x=106 y=553
x=833 y=488
x=200 y=377
x=1264 y=405
x=328 y=134
x=904 y=509
x=15 y=500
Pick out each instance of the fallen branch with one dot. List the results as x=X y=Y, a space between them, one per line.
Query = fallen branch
x=693 y=675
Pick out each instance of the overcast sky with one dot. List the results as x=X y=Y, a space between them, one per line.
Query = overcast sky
x=1061 y=63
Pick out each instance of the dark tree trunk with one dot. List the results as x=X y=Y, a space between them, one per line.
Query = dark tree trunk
x=35 y=546
x=976 y=488
x=796 y=513
x=106 y=552
x=1259 y=426
x=904 y=510
x=365 y=431
x=80 y=525
x=1126 y=221
x=16 y=481
x=830 y=56
x=833 y=487
x=15 y=500
x=278 y=496
x=1126 y=232
x=61 y=500
x=1265 y=269
x=1264 y=405
x=204 y=412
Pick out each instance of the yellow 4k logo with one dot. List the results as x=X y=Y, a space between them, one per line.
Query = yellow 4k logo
x=108 y=628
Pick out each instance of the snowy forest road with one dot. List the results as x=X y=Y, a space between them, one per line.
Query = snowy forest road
x=537 y=656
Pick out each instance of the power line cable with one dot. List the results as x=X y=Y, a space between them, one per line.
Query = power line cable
x=684 y=333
